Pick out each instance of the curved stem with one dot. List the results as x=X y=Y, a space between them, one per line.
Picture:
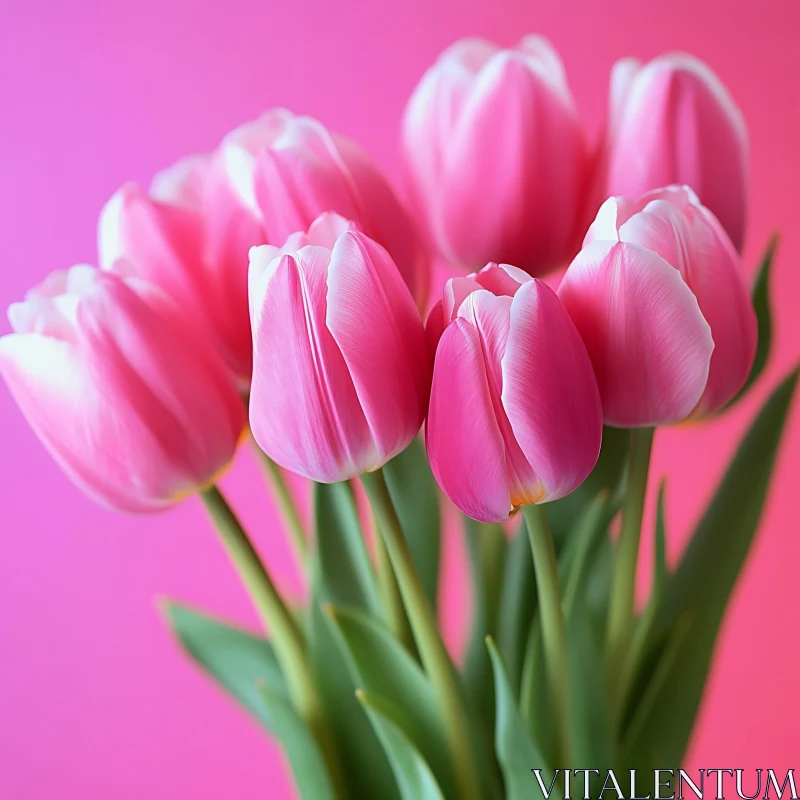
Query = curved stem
x=285 y=634
x=286 y=504
x=390 y=592
x=554 y=631
x=435 y=657
x=623 y=583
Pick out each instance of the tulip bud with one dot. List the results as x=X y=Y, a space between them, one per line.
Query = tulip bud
x=674 y=122
x=340 y=366
x=190 y=236
x=515 y=414
x=129 y=399
x=496 y=155
x=289 y=169
x=658 y=296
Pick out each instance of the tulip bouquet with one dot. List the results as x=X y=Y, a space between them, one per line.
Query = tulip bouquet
x=538 y=405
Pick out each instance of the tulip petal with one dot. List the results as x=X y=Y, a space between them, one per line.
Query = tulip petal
x=372 y=317
x=646 y=336
x=182 y=184
x=721 y=291
x=680 y=125
x=304 y=410
x=464 y=443
x=431 y=116
x=383 y=218
x=162 y=242
x=299 y=178
x=549 y=391
x=160 y=374
x=240 y=147
x=502 y=279
x=490 y=316
x=230 y=230
x=434 y=328
x=50 y=384
x=505 y=209
x=689 y=237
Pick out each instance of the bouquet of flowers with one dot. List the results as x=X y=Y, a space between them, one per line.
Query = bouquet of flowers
x=538 y=400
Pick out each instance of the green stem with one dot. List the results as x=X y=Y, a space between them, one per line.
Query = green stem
x=285 y=634
x=623 y=583
x=396 y=616
x=554 y=632
x=435 y=657
x=286 y=505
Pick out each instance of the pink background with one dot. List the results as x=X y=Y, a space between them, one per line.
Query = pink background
x=95 y=700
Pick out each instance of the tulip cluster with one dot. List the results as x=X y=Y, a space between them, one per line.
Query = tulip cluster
x=279 y=278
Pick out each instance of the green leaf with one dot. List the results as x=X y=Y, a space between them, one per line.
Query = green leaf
x=237 y=660
x=413 y=491
x=563 y=514
x=534 y=704
x=413 y=775
x=341 y=572
x=762 y=306
x=365 y=767
x=380 y=665
x=345 y=568
x=486 y=545
x=517 y=605
x=517 y=753
x=591 y=727
x=306 y=760
x=697 y=593
x=577 y=557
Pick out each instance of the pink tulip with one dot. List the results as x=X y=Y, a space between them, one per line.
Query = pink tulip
x=341 y=372
x=289 y=169
x=515 y=414
x=659 y=297
x=131 y=402
x=673 y=121
x=190 y=236
x=496 y=155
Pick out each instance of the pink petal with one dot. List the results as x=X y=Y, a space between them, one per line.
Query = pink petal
x=502 y=279
x=52 y=387
x=549 y=391
x=724 y=298
x=464 y=443
x=373 y=319
x=689 y=237
x=231 y=229
x=299 y=180
x=431 y=116
x=520 y=209
x=383 y=218
x=434 y=328
x=162 y=242
x=182 y=184
x=648 y=341
x=680 y=125
x=304 y=410
x=490 y=316
x=242 y=145
x=159 y=373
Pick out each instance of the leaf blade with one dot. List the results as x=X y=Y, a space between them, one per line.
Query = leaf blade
x=235 y=659
x=516 y=751
x=301 y=748
x=696 y=595
x=414 y=777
